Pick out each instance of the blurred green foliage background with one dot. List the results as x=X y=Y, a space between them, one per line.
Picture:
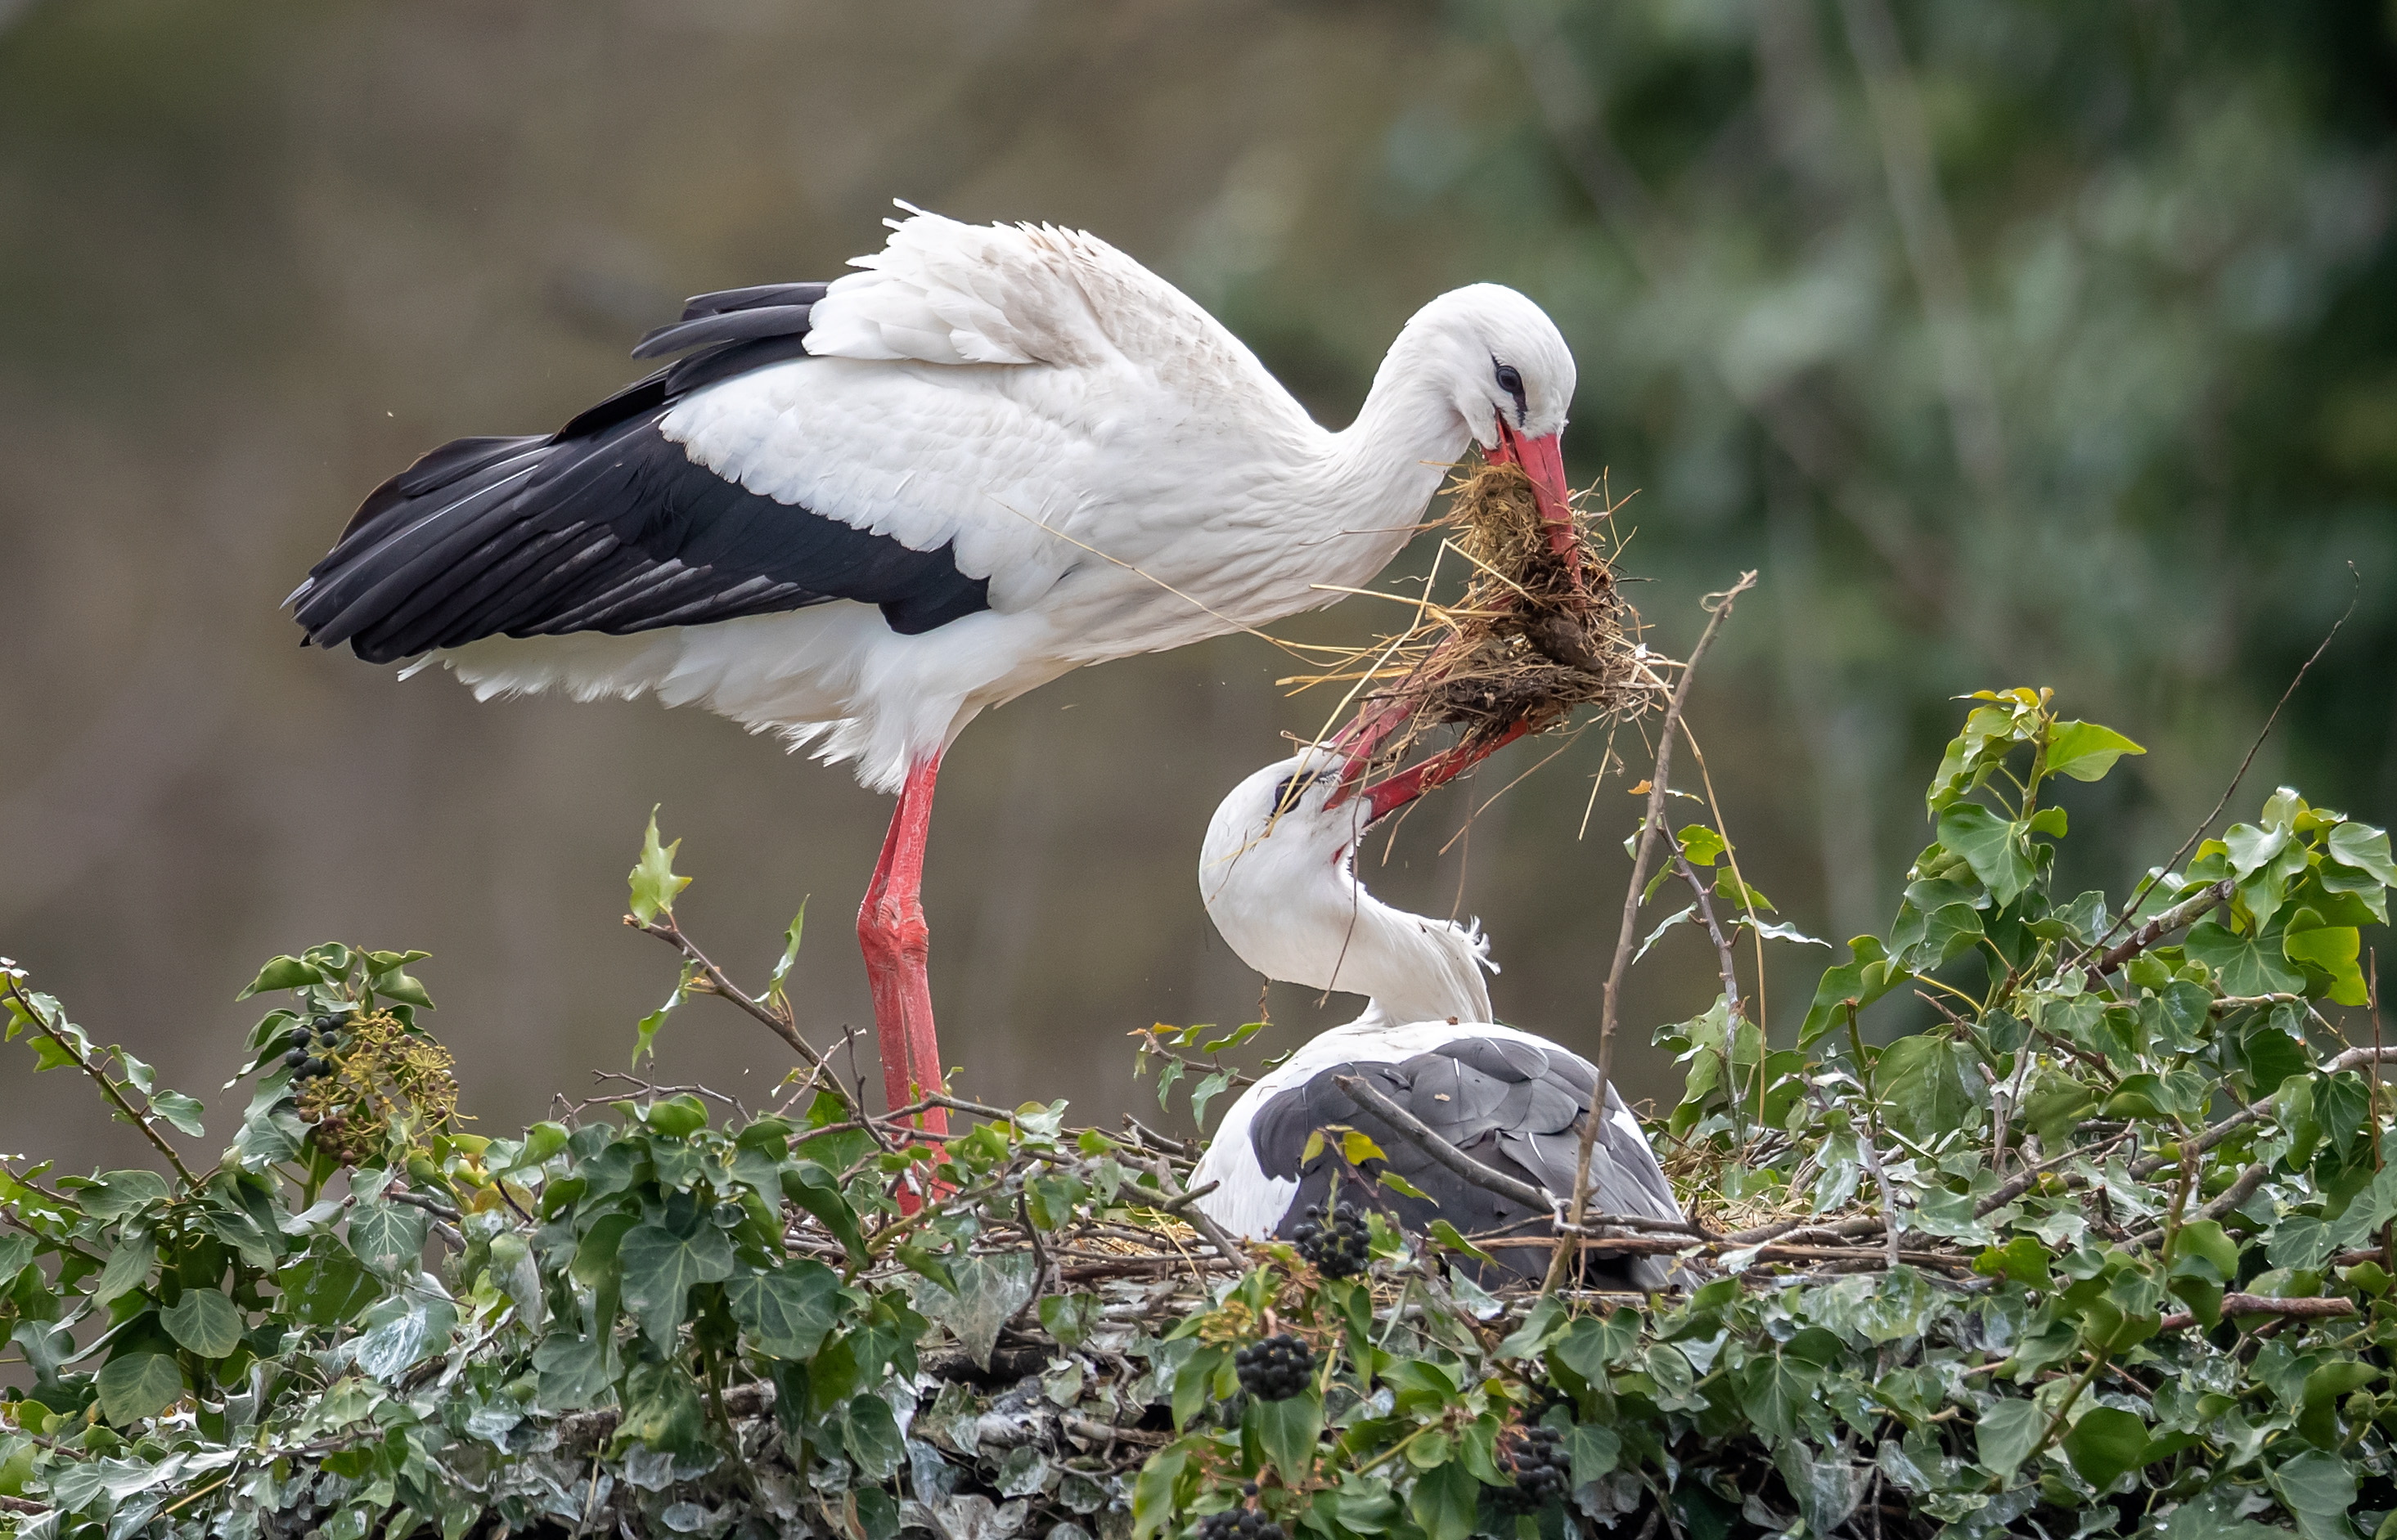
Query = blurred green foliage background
x=2012 y=340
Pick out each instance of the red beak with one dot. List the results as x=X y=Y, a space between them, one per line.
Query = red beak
x=1543 y=461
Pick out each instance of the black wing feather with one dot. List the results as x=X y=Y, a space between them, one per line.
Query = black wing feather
x=606 y=525
x=1511 y=1105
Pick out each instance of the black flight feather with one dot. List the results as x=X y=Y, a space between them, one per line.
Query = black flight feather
x=606 y=524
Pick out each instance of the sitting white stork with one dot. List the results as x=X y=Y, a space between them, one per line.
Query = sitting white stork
x=866 y=511
x=1278 y=880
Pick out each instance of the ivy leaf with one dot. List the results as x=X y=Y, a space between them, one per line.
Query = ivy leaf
x=1926 y=1085
x=1993 y=847
x=786 y=1313
x=790 y=947
x=139 y=1386
x=1399 y=1184
x=2318 y=1488
x=2103 y=1443
x=2005 y=1434
x=1866 y=977
x=1288 y=1430
x=660 y=1269
x=1445 y=1234
x=2085 y=751
x=2245 y=964
x=1446 y=1502
x=2365 y=849
x=289 y=972
x=2332 y=948
x=654 y=881
x=204 y=1321
x=1154 y=1504
x=1205 y=1091
x=871 y=1435
x=385 y=1236
x=182 y=1111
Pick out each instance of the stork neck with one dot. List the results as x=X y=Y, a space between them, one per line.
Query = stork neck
x=1394 y=456
x=1295 y=911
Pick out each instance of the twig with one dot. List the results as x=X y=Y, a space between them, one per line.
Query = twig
x=1714 y=933
x=97 y=1075
x=2331 y=1307
x=2231 y=1197
x=1651 y=821
x=1200 y=1219
x=1415 y=1133
x=2216 y=1132
x=1149 y=1043
x=665 y=930
x=2186 y=912
x=2132 y=906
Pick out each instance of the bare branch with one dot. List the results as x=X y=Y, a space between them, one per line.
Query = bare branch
x=776 y=1021
x=1652 y=823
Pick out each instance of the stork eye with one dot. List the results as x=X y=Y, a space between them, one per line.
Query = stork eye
x=1291 y=789
x=1510 y=379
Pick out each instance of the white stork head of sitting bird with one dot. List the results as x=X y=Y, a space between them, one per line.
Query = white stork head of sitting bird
x=1279 y=881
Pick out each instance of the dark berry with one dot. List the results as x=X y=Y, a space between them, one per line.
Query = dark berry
x=1275 y=1369
x=1338 y=1248
x=295 y=1058
x=310 y=1069
x=326 y=1024
x=1535 y=1459
x=1240 y=1524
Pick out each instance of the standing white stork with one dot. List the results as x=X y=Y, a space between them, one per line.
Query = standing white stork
x=1279 y=879
x=868 y=510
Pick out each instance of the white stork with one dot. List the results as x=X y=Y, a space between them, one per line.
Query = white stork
x=863 y=512
x=1278 y=880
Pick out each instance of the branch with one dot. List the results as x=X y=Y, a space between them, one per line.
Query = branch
x=776 y=1021
x=2214 y=1133
x=1651 y=821
x=1412 y=1128
x=2232 y=1196
x=1200 y=1219
x=2140 y=892
x=2186 y=911
x=2330 y=1308
x=1714 y=931
x=98 y=1077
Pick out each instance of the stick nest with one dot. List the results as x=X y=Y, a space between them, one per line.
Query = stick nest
x=1528 y=643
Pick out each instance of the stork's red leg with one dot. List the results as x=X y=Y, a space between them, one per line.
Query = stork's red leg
x=891 y=931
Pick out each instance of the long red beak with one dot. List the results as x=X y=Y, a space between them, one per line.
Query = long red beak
x=1543 y=461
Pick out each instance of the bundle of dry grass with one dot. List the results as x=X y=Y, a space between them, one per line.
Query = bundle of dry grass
x=1540 y=631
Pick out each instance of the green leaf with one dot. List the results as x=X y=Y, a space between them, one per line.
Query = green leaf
x=660 y=1268
x=1926 y=1085
x=2243 y=963
x=870 y=1433
x=1288 y=1430
x=2006 y=1433
x=327 y=1289
x=2335 y=949
x=1866 y=977
x=182 y=1111
x=1701 y=845
x=1445 y=1234
x=654 y=881
x=1399 y=1184
x=786 y=1314
x=1446 y=1502
x=790 y=948
x=645 y=1031
x=139 y=1386
x=2318 y=1488
x=1154 y=1504
x=573 y=1372
x=2365 y=849
x=386 y=1236
x=393 y=984
x=2103 y=1443
x=203 y=1321
x=1593 y=1449
x=289 y=972
x=2085 y=751
x=119 y=1193
x=1993 y=847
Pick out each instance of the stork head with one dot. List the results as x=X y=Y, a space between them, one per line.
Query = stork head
x=1509 y=375
x=1277 y=879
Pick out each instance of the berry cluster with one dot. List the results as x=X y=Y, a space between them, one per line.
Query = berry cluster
x=1535 y=1458
x=1240 y=1524
x=1275 y=1369
x=1337 y=1247
x=312 y=1059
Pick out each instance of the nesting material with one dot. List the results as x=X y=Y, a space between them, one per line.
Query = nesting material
x=1537 y=636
